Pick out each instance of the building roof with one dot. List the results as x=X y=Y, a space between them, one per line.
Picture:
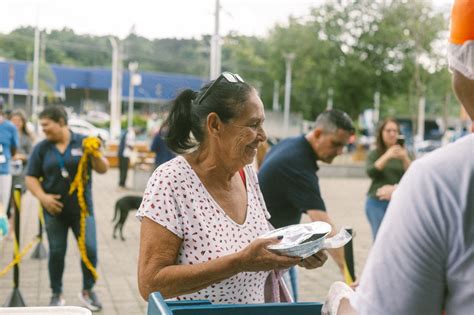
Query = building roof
x=154 y=86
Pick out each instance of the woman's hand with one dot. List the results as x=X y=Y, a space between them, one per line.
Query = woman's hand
x=314 y=261
x=256 y=257
x=385 y=192
x=52 y=204
x=396 y=152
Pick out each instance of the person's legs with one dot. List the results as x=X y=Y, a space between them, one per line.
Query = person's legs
x=88 y=297
x=375 y=210
x=56 y=230
x=123 y=170
x=5 y=191
x=91 y=249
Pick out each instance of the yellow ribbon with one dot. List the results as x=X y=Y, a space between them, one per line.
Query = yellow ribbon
x=18 y=255
x=347 y=275
x=90 y=146
x=41 y=215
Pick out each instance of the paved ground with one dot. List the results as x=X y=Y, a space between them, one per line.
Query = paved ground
x=117 y=286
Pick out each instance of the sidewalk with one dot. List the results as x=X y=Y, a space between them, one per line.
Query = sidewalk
x=117 y=284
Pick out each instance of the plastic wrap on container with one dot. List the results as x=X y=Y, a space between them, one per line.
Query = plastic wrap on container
x=304 y=240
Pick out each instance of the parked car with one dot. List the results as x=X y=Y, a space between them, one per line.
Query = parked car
x=96 y=117
x=432 y=136
x=86 y=128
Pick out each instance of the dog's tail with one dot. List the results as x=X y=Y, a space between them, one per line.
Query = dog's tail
x=116 y=211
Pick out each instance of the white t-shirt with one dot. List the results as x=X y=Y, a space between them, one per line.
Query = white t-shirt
x=423 y=259
x=176 y=198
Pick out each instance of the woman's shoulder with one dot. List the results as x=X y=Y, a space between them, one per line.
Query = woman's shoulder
x=174 y=168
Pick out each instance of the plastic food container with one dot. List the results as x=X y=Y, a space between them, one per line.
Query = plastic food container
x=304 y=240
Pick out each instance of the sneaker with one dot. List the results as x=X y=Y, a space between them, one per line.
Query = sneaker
x=57 y=300
x=90 y=300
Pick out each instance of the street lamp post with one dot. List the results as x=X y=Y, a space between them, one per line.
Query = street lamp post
x=289 y=57
x=115 y=93
x=330 y=104
x=134 y=79
x=215 y=64
x=34 y=104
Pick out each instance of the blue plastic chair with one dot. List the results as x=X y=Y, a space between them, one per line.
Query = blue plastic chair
x=158 y=306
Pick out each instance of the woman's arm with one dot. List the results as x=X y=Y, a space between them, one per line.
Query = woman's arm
x=370 y=168
x=381 y=162
x=158 y=269
x=406 y=159
x=100 y=164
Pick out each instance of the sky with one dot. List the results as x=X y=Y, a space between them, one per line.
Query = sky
x=154 y=18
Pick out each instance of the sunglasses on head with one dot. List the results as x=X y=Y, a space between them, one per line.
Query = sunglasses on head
x=228 y=76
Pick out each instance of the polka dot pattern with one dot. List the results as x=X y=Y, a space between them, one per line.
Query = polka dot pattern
x=176 y=198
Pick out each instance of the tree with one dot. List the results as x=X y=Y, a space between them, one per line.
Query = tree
x=46 y=82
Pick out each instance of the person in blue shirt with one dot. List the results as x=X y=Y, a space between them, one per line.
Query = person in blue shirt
x=162 y=152
x=8 y=146
x=52 y=168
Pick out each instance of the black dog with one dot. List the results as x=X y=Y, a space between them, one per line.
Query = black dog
x=124 y=205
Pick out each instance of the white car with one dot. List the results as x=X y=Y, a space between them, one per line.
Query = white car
x=96 y=117
x=86 y=128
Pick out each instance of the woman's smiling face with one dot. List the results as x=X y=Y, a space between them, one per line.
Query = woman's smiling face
x=243 y=134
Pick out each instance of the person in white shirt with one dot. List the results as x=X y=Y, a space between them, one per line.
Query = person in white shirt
x=422 y=261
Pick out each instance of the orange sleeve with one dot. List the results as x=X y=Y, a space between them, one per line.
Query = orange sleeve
x=462 y=21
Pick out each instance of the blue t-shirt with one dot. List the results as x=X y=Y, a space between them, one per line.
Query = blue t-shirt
x=162 y=151
x=45 y=162
x=289 y=182
x=8 y=141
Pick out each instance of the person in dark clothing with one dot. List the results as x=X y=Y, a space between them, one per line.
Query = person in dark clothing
x=127 y=140
x=288 y=176
x=160 y=148
x=52 y=170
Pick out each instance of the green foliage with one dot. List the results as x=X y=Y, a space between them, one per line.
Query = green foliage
x=138 y=121
x=47 y=79
x=354 y=48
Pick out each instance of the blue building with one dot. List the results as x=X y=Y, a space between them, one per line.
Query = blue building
x=86 y=89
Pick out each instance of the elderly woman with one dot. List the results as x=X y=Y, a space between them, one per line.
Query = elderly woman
x=203 y=210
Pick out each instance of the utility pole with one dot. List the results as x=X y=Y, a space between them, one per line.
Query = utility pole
x=289 y=57
x=11 y=85
x=376 y=108
x=34 y=104
x=329 y=104
x=216 y=46
x=420 y=135
x=276 y=92
x=134 y=79
x=115 y=94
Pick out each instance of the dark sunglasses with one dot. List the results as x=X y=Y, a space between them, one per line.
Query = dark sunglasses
x=228 y=76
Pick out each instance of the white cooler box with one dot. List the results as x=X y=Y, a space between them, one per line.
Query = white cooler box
x=56 y=310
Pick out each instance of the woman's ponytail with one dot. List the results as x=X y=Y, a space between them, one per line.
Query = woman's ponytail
x=180 y=122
